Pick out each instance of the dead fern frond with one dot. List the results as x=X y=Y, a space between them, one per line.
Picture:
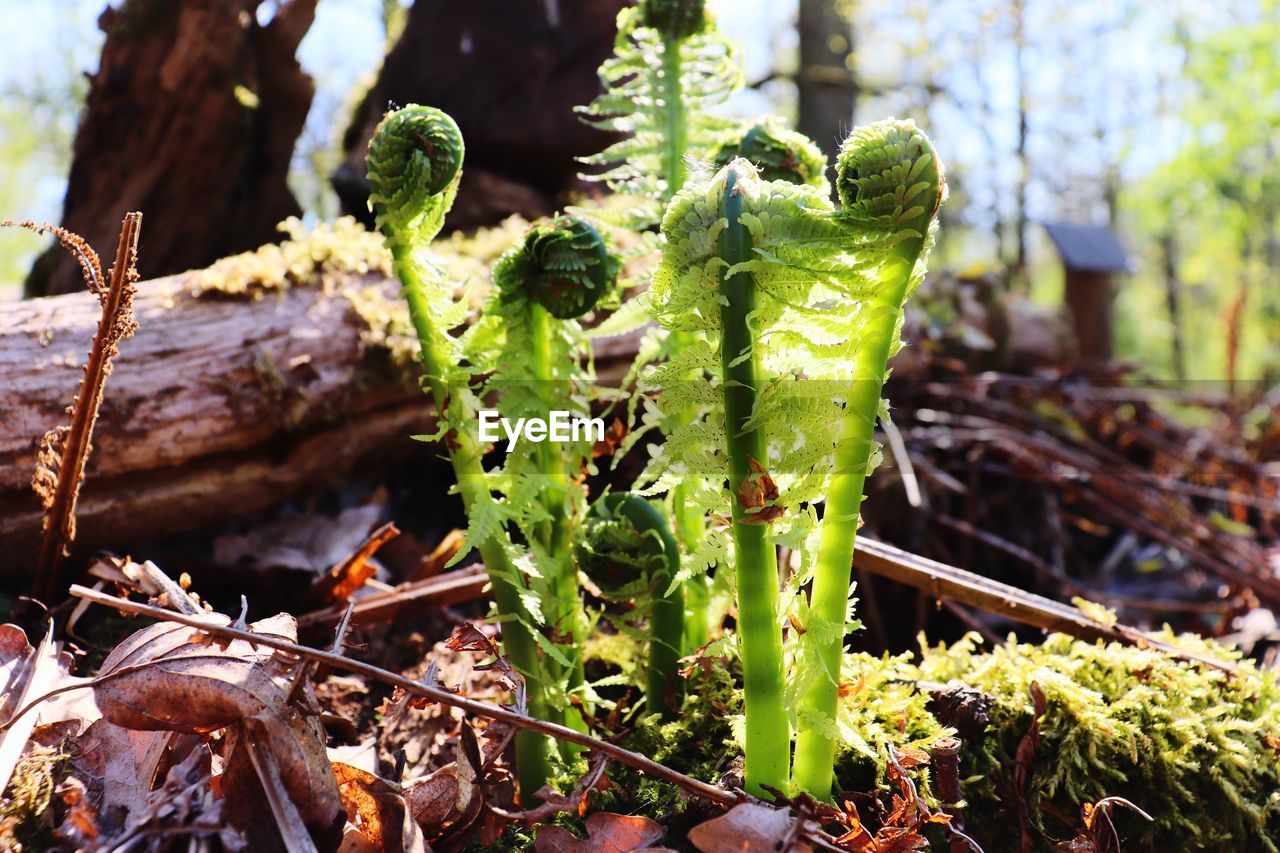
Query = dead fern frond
x=90 y=266
x=60 y=461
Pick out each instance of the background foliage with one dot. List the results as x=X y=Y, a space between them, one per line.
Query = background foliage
x=1156 y=119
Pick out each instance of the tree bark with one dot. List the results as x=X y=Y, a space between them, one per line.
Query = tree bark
x=217 y=407
x=510 y=74
x=828 y=87
x=191 y=118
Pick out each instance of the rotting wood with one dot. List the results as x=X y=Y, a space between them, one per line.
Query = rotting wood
x=218 y=406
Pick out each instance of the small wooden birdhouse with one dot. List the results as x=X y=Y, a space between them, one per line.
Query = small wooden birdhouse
x=1091 y=258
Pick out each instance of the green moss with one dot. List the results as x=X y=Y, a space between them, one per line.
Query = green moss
x=330 y=255
x=1194 y=747
x=1197 y=749
x=880 y=707
x=326 y=255
x=26 y=820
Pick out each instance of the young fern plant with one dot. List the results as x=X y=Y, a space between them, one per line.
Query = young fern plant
x=560 y=271
x=777 y=151
x=782 y=293
x=627 y=550
x=415 y=166
x=891 y=185
x=670 y=66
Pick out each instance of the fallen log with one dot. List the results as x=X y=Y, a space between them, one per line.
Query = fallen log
x=234 y=395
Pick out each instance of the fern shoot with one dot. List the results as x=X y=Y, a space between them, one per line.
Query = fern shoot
x=889 y=180
x=561 y=270
x=781 y=154
x=778 y=290
x=415 y=166
x=627 y=549
x=670 y=66
x=768 y=734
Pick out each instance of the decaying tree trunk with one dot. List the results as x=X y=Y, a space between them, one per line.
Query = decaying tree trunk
x=510 y=74
x=217 y=407
x=191 y=118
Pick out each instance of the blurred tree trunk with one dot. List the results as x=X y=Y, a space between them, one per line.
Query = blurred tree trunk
x=1173 y=300
x=1020 y=270
x=510 y=74
x=828 y=87
x=191 y=118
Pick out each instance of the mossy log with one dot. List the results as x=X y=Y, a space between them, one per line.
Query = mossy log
x=220 y=405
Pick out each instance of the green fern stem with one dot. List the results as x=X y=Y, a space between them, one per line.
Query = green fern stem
x=690 y=526
x=768 y=736
x=889 y=176
x=465 y=456
x=815 y=751
x=555 y=533
x=676 y=138
x=415 y=167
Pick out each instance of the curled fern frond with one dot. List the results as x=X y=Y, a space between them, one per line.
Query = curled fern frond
x=780 y=153
x=889 y=176
x=564 y=265
x=891 y=184
x=414 y=167
x=675 y=19
x=626 y=548
x=619 y=557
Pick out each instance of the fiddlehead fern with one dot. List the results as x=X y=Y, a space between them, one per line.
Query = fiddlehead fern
x=564 y=265
x=562 y=269
x=890 y=182
x=780 y=153
x=415 y=165
x=776 y=284
x=674 y=19
x=627 y=549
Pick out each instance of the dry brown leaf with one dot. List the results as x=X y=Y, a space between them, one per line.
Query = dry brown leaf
x=748 y=828
x=378 y=810
x=613 y=438
x=468 y=638
x=433 y=800
x=183 y=805
x=122 y=764
x=1025 y=757
x=910 y=756
x=756 y=494
x=435 y=562
x=606 y=833
x=342 y=581
x=169 y=677
x=26 y=673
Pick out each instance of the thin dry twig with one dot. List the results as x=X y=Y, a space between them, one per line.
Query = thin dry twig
x=943 y=581
x=65 y=450
x=417 y=688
